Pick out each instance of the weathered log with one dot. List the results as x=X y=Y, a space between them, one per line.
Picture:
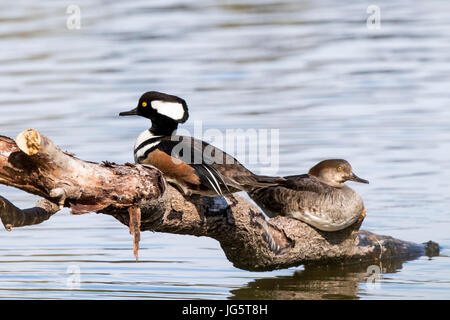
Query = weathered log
x=251 y=242
x=137 y=196
x=36 y=165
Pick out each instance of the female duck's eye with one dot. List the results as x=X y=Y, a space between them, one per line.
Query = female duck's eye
x=339 y=169
x=144 y=104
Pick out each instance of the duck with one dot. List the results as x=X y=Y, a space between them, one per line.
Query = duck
x=319 y=198
x=193 y=166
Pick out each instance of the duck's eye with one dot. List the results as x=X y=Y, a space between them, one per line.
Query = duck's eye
x=339 y=169
x=144 y=104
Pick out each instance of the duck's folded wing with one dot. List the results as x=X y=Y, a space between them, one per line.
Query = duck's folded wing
x=213 y=180
x=194 y=151
x=217 y=169
x=305 y=182
x=203 y=158
x=292 y=195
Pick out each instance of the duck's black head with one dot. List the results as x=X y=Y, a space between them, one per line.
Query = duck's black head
x=164 y=110
x=335 y=172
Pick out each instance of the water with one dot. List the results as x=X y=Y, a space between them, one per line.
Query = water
x=311 y=68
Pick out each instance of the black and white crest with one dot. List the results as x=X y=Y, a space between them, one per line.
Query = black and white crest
x=166 y=105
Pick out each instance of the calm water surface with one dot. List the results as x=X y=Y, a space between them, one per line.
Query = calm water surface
x=379 y=99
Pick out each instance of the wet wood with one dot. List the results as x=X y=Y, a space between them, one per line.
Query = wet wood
x=138 y=197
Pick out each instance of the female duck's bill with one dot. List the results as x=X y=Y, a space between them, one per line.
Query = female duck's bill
x=354 y=177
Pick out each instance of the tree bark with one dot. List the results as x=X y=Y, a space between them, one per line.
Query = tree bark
x=138 y=196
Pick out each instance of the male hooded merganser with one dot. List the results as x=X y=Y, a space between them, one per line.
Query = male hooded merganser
x=319 y=198
x=207 y=170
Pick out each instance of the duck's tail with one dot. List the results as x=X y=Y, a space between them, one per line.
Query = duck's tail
x=254 y=181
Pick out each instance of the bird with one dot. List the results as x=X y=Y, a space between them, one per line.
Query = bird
x=319 y=198
x=193 y=166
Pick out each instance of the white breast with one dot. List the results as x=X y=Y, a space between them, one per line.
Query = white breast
x=142 y=138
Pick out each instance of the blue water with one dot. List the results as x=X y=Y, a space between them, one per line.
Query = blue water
x=312 y=69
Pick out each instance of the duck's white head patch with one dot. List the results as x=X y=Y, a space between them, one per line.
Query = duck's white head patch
x=173 y=110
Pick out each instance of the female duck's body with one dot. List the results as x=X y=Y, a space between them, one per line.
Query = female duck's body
x=319 y=198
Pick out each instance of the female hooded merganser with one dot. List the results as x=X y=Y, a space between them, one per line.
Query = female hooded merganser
x=319 y=198
x=205 y=170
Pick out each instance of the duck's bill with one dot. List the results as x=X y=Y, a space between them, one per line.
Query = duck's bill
x=354 y=177
x=133 y=112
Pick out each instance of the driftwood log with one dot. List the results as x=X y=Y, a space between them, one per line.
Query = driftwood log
x=139 y=197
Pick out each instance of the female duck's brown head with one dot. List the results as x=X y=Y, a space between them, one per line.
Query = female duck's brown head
x=335 y=172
